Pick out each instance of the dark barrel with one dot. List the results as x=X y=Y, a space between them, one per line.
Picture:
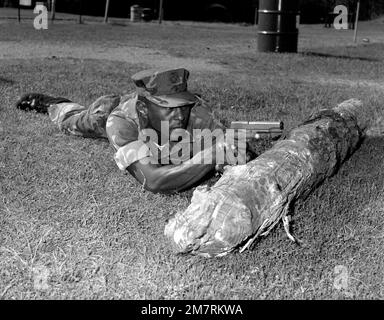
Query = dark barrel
x=277 y=26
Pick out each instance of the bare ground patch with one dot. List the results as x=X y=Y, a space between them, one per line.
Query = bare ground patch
x=130 y=54
x=345 y=82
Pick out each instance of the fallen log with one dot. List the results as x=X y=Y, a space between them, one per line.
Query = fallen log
x=249 y=200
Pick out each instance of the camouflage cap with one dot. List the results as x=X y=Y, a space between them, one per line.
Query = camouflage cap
x=165 y=88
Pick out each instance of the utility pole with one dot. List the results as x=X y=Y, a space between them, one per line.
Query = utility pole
x=256 y=21
x=356 y=21
x=81 y=12
x=161 y=11
x=53 y=9
x=106 y=11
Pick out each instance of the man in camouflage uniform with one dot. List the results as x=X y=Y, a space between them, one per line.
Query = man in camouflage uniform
x=160 y=96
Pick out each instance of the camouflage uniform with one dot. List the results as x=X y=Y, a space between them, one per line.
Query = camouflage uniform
x=115 y=118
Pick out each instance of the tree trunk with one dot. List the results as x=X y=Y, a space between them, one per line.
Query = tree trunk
x=106 y=11
x=249 y=200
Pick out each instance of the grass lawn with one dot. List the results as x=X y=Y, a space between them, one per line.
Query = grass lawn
x=73 y=226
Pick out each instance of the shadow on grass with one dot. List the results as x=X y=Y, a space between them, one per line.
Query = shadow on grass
x=6 y=81
x=118 y=24
x=350 y=191
x=336 y=56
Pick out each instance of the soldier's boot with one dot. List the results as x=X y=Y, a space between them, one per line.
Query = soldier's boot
x=38 y=102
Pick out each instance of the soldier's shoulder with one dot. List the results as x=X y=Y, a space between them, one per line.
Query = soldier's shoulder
x=127 y=107
x=127 y=96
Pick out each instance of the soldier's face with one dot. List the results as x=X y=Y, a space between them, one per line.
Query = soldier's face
x=176 y=117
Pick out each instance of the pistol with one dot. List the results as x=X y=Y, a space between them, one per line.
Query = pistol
x=257 y=129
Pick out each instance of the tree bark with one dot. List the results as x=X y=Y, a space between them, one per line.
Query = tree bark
x=249 y=200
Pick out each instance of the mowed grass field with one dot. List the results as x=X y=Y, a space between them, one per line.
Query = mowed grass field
x=73 y=226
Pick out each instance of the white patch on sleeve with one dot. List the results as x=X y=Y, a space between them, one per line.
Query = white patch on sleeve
x=131 y=153
x=109 y=122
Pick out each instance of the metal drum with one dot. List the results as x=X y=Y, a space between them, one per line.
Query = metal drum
x=136 y=12
x=278 y=26
x=147 y=14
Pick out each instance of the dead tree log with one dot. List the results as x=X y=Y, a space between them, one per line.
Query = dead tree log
x=249 y=200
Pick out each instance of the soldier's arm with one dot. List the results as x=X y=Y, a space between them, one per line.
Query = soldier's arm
x=175 y=178
x=134 y=156
x=169 y=178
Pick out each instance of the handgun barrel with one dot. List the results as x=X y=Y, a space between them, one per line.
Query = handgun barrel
x=261 y=126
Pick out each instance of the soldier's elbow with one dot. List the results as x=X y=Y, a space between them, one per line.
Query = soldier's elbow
x=152 y=187
x=154 y=184
x=160 y=185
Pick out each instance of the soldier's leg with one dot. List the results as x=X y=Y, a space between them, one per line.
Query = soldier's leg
x=78 y=120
